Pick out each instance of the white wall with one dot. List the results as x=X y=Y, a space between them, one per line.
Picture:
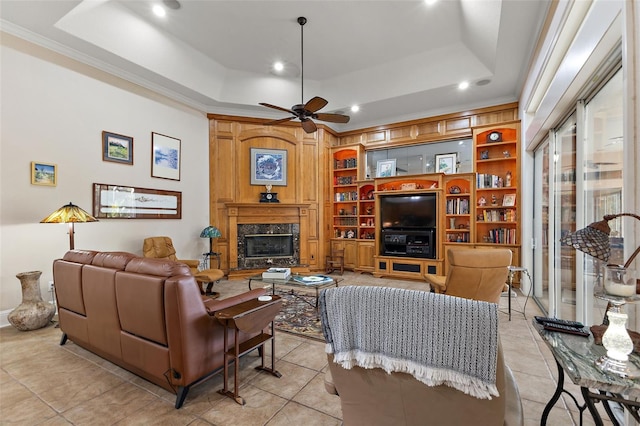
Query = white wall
x=54 y=111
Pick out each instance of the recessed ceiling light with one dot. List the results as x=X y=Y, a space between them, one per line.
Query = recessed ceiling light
x=159 y=11
x=483 y=82
x=430 y=2
x=463 y=85
x=278 y=66
x=355 y=108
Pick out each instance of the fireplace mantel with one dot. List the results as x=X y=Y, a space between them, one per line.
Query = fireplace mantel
x=266 y=213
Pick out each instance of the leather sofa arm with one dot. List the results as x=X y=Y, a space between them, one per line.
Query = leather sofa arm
x=214 y=305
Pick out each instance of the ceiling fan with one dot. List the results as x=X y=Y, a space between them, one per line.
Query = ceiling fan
x=308 y=112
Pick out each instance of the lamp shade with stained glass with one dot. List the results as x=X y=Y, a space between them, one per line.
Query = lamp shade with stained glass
x=69 y=213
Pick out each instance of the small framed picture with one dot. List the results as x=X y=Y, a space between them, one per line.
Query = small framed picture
x=386 y=168
x=44 y=174
x=509 y=200
x=268 y=166
x=117 y=148
x=446 y=163
x=165 y=157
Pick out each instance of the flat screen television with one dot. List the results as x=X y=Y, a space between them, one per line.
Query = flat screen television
x=408 y=211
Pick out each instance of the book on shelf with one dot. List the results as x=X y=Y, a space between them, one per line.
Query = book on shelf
x=277 y=273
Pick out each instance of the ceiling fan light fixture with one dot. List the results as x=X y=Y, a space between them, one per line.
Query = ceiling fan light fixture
x=305 y=112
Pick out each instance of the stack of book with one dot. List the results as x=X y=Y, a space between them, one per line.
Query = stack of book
x=277 y=273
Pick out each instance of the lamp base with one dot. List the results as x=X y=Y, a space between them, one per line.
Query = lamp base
x=610 y=365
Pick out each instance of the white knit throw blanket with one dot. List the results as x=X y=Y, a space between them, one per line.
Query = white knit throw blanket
x=440 y=340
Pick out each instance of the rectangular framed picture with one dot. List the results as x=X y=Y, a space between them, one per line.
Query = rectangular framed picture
x=127 y=202
x=165 y=157
x=44 y=174
x=117 y=148
x=446 y=163
x=268 y=166
x=386 y=168
x=509 y=200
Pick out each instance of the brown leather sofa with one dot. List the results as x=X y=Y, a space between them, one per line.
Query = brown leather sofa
x=145 y=315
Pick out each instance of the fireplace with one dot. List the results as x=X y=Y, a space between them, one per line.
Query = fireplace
x=262 y=245
x=268 y=246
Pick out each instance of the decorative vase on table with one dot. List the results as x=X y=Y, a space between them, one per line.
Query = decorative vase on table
x=33 y=313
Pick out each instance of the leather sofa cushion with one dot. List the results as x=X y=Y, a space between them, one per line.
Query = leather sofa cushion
x=114 y=259
x=80 y=256
x=141 y=304
x=157 y=267
x=102 y=312
x=68 y=286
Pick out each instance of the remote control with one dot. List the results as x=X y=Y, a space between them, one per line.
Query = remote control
x=566 y=329
x=548 y=320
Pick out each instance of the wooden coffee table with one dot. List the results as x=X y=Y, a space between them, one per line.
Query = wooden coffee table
x=299 y=281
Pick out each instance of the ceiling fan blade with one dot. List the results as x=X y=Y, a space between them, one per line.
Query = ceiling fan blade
x=332 y=118
x=308 y=125
x=276 y=107
x=280 y=121
x=316 y=103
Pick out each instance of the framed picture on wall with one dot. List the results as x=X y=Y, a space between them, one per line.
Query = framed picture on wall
x=446 y=163
x=165 y=157
x=44 y=174
x=117 y=148
x=386 y=168
x=268 y=166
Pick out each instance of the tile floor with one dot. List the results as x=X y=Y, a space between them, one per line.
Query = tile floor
x=42 y=383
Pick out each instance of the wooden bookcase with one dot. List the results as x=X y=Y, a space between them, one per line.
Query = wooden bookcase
x=459 y=208
x=497 y=166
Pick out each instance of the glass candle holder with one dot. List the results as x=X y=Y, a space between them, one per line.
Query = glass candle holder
x=619 y=281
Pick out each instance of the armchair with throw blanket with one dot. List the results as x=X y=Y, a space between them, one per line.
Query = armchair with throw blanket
x=407 y=357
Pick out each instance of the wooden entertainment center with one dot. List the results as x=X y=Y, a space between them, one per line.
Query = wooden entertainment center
x=478 y=209
x=331 y=199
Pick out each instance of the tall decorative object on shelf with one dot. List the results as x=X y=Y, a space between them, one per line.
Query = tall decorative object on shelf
x=33 y=313
x=619 y=288
x=69 y=213
x=211 y=232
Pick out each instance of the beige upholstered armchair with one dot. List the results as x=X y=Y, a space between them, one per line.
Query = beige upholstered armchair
x=479 y=274
x=393 y=360
x=162 y=248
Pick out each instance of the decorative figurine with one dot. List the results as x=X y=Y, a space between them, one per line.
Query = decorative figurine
x=506 y=154
x=494 y=200
x=482 y=201
x=507 y=181
x=484 y=155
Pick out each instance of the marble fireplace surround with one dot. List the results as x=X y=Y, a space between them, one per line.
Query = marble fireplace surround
x=266 y=218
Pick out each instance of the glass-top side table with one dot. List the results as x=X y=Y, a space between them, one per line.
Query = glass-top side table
x=576 y=357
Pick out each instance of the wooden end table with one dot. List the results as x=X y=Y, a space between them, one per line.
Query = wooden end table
x=249 y=317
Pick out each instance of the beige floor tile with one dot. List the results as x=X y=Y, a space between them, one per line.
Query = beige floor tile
x=259 y=408
x=296 y=414
x=314 y=395
x=294 y=378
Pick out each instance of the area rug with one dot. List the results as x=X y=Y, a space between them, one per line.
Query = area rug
x=299 y=317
